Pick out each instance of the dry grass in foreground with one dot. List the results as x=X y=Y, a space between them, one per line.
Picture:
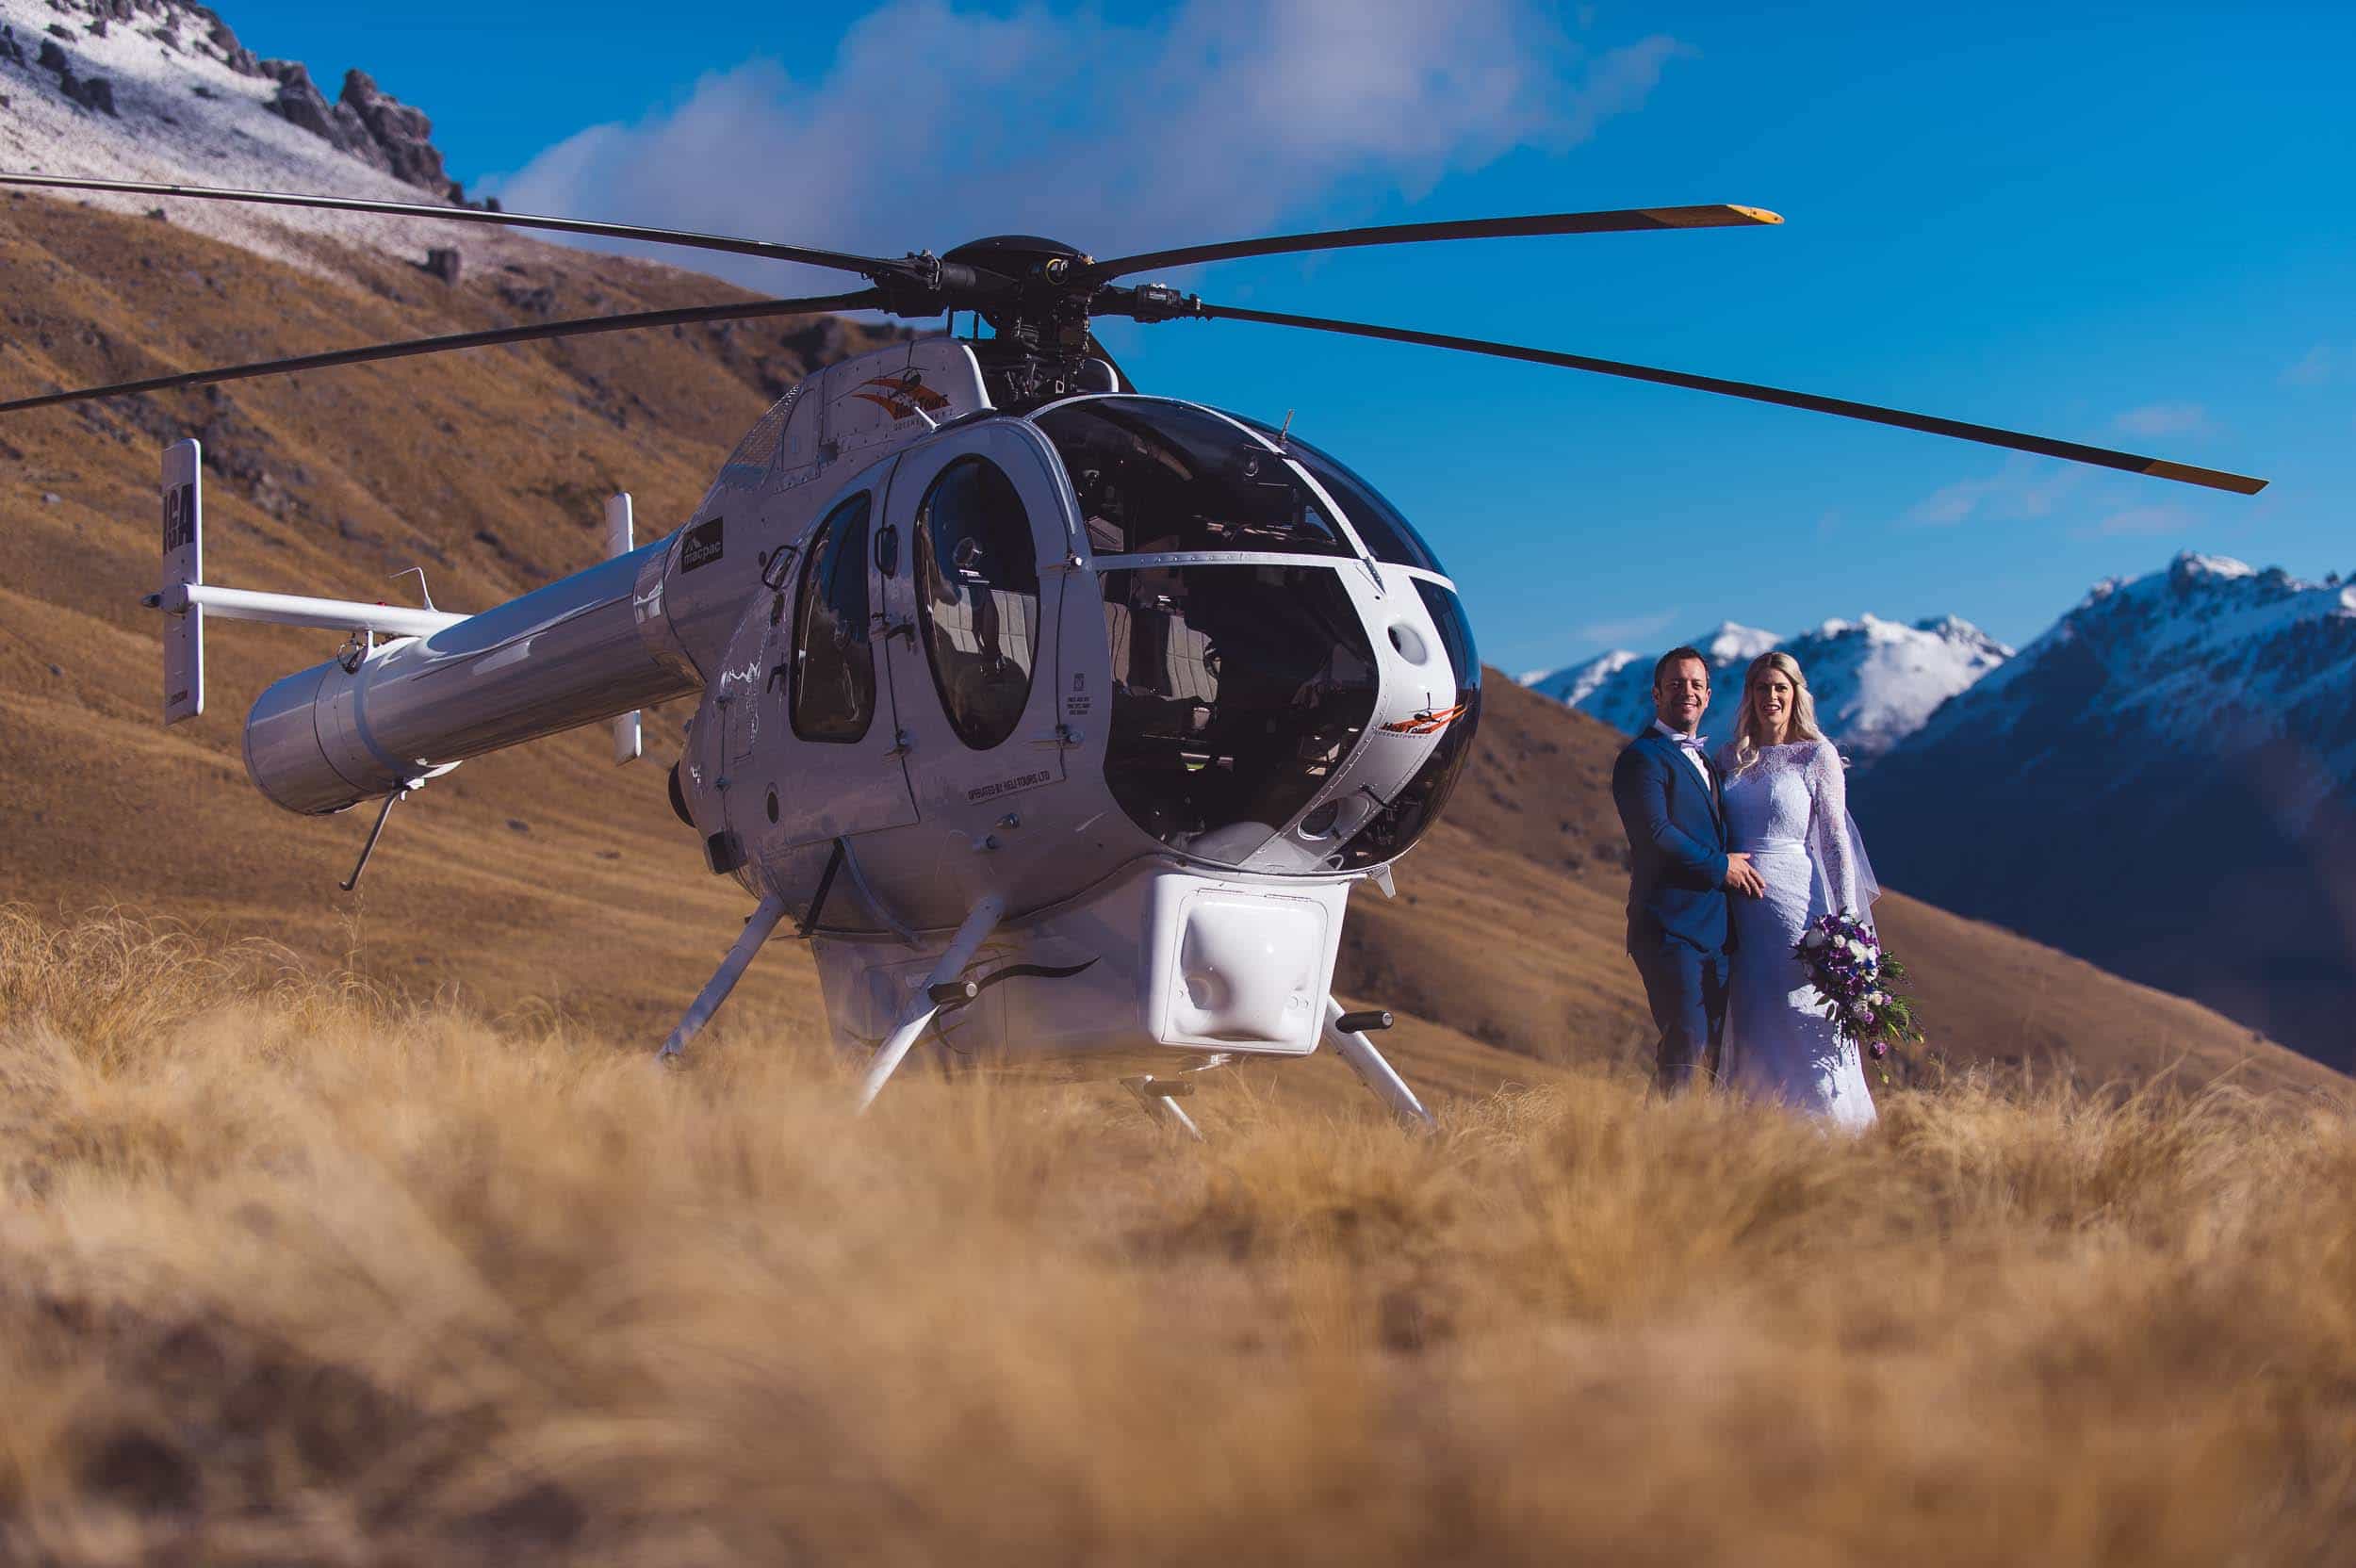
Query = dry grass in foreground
x=288 y=1273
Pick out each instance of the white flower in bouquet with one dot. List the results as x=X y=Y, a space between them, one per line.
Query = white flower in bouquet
x=1857 y=948
x=1814 y=939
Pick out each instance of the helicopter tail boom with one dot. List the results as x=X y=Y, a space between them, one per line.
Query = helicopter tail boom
x=380 y=717
x=416 y=691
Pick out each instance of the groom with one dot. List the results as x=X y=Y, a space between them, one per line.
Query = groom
x=1678 y=932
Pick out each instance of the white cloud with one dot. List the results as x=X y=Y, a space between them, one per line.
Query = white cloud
x=1627 y=630
x=2146 y=520
x=932 y=125
x=2164 y=419
x=2024 y=487
x=2313 y=368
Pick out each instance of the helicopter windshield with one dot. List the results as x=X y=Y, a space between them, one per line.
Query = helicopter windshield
x=1237 y=692
x=1155 y=477
x=1387 y=535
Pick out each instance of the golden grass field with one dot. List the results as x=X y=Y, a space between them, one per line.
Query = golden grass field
x=293 y=1272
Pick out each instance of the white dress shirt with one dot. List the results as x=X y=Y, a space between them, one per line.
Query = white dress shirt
x=1689 y=744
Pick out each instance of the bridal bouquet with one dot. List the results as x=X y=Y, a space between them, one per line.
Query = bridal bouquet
x=1858 y=982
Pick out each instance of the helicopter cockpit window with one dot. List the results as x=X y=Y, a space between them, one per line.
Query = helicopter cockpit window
x=1236 y=693
x=1387 y=535
x=977 y=592
x=1153 y=476
x=834 y=661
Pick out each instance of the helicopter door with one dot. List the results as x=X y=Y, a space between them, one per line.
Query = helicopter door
x=826 y=687
x=978 y=523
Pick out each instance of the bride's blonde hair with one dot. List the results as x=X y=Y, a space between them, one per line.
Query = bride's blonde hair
x=1748 y=727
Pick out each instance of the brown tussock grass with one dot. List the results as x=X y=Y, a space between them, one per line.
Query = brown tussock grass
x=290 y=1270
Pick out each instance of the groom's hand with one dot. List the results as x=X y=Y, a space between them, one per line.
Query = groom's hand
x=1740 y=878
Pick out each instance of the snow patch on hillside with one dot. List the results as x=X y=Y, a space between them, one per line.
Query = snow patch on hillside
x=183 y=112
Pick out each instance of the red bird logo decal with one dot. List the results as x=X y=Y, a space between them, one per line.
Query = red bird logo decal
x=902 y=394
x=1427 y=723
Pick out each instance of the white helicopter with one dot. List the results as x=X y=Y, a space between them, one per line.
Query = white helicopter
x=1060 y=718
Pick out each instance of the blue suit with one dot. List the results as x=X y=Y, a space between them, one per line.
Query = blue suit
x=1678 y=929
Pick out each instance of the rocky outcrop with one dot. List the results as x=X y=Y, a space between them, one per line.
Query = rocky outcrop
x=226 y=48
x=302 y=105
x=402 y=136
x=96 y=93
x=362 y=120
x=365 y=122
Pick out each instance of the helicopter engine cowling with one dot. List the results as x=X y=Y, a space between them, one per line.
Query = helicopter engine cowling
x=569 y=654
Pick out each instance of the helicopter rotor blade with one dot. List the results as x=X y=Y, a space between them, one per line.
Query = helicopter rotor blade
x=1629 y=220
x=2073 y=451
x=867 y=299
x=870 y=267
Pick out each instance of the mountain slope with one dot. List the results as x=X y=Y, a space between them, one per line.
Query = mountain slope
x=1875 y=681
x=2161 y=783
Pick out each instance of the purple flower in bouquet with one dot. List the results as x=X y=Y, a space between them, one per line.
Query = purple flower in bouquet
x=1857 y=984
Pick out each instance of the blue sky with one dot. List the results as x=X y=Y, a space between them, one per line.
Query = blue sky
x=2131 y=227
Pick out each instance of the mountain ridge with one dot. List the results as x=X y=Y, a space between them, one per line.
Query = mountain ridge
x=1875 y=681
x=2162 y=781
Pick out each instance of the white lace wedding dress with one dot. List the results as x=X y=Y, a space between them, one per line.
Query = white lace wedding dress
x=1789 y=812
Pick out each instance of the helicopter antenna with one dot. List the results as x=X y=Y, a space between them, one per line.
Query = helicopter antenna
x=423 y=592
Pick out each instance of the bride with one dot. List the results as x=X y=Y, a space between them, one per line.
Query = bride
x=1787 y=807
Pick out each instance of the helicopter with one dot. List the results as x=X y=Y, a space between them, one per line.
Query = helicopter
x=1060 y=718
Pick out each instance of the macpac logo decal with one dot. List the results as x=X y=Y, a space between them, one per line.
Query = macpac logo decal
x=902 y=394
x=1426 y=724
x=703 y=545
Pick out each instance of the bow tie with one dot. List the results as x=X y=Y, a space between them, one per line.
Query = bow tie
x=1691 y=743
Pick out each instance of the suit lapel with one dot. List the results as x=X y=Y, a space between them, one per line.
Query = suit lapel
x=1675 y=754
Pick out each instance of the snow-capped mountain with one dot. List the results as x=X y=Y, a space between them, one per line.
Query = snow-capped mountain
x=2163 y=783
x=1875 y=681
x=2260 y=655
x=1616 y=687
x=161 y=90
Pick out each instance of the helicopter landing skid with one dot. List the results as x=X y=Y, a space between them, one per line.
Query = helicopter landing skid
x=1346 y=1033
x=941 y=988
x=758 y=927
x=1159 y=1096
